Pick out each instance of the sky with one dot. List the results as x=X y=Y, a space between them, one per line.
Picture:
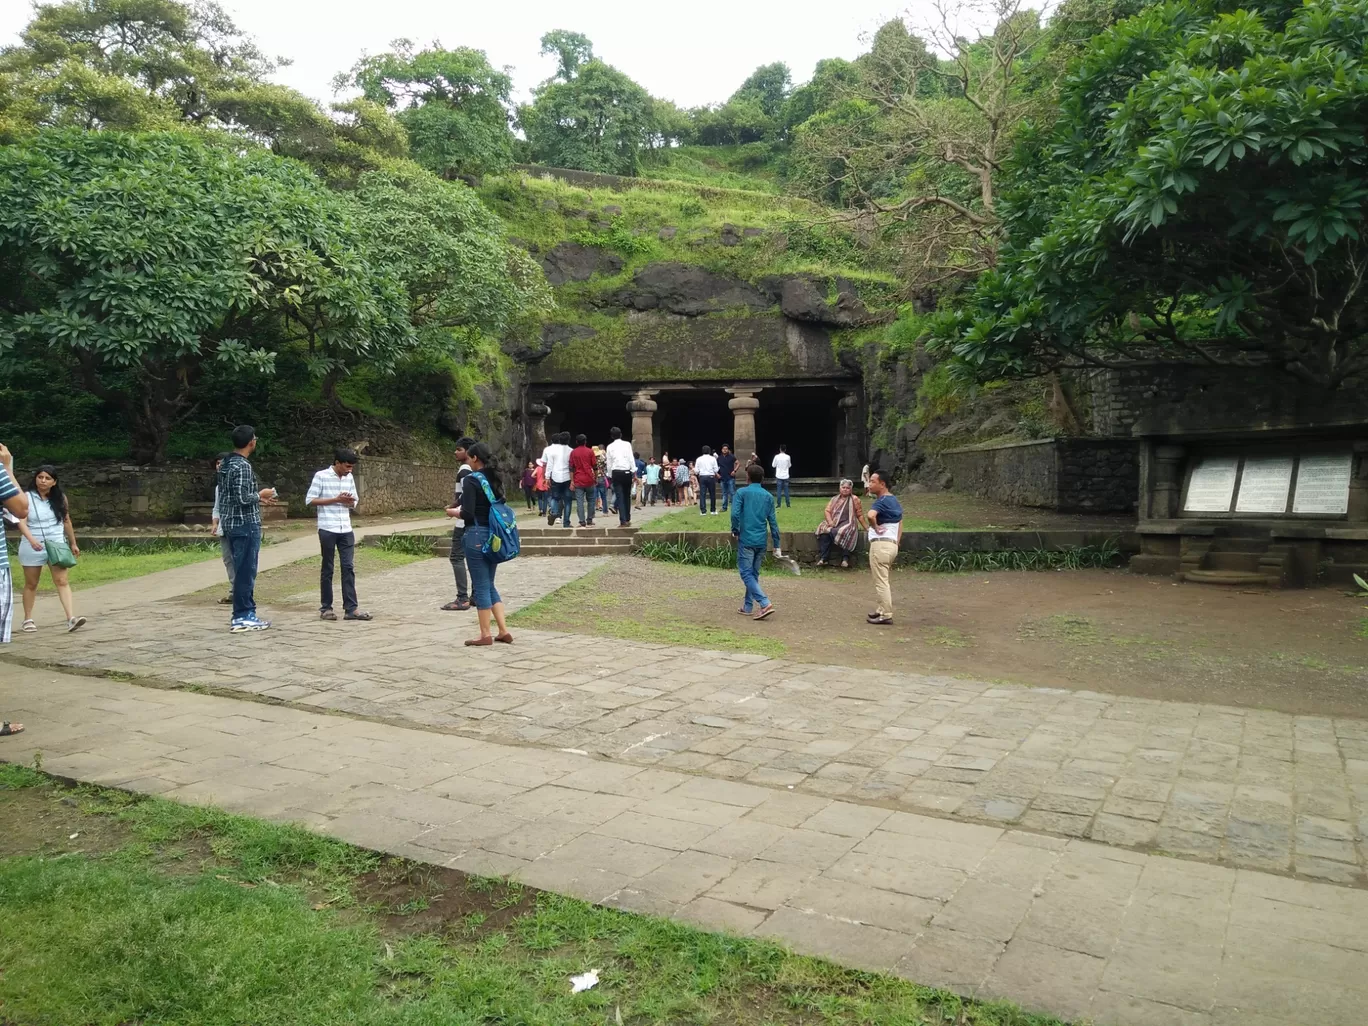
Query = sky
x=690 y=51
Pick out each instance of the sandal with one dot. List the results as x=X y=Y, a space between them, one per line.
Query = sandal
x=845 y=564
x=821 y=562
x=29 y=627
x=8 y=729
x=764 y=612
x=357 y=615
x=505 y=637
x=458 y=604
x=327 y=614
x=75 y=623
x=473 y=642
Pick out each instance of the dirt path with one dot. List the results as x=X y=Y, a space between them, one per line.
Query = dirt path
x=1293 y=651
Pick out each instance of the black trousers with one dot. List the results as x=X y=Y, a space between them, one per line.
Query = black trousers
x=622 y=490
x=458 y=564
x=345 y=547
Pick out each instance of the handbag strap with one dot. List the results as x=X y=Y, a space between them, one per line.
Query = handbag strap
x=484 y=483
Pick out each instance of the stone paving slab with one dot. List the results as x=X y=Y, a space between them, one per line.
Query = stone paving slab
x=1241 y=787
x=1060 y=925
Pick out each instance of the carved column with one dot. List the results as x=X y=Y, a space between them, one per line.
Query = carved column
x=642 y=408
x=848 y=455
x=743 y=406
x=1168 y=485
x=1358 y=483
x=536 y=427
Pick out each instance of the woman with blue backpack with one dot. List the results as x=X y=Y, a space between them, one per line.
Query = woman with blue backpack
x=491 y=538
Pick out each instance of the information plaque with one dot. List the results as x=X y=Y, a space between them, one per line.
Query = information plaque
x=1212 y=485
x=1264 y=484
x=1323 y=484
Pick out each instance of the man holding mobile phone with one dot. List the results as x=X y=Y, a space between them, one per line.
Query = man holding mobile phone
x=240 y=499
x=334 y=494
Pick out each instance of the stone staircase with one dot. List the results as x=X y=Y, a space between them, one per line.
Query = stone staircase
x=540 y=540
x=1235 y=560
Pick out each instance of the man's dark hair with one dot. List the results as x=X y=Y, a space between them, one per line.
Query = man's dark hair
x=465 y=442
x=345 y=455
x=581 y=440
x=726 y=446
x=782 y=449
x=636 y=455
x=243 y=435
x=756 y=473
x=707 y=451
x=883 y=476
x=615 y=434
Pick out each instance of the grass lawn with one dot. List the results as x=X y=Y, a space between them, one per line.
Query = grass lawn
x=804 y=515
x=120 y=909
x=105 y=565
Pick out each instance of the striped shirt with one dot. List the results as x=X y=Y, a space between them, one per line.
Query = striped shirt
x=8 y=490
x=335 y=518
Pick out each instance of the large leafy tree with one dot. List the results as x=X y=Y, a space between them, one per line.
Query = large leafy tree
x=454 y=105
x=590 y=116
x=1201 y=197
x=138 y=259
x=165 y=64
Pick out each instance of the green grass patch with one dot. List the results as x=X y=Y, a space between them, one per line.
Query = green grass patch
x=583 y=607
x=1362 y=631
x=193 y=917
x=109 y=563
x=1085 y=557
x=805 y=515
x=404 y=544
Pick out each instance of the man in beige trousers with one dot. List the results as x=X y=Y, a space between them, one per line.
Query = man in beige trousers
x=885 y=532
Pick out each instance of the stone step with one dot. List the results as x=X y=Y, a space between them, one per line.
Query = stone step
x=575 y=550
x=580 y=533
x=1231 y=578
x=1247 y=562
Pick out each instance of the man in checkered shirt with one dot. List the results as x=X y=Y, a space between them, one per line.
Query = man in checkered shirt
x=334 y=494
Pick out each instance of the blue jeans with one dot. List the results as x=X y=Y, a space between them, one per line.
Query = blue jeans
x=560 y=500
x=707 y=489
x=543 y=499
x=482 y=567
x=748 y=560
x=728 y=492
x=782 y=493
x=587 y=493
x=601 y=494
x=245 y=544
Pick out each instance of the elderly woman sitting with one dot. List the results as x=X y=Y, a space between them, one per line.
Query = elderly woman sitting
x=840 y=528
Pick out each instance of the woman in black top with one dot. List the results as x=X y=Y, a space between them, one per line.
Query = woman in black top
x=475 y=513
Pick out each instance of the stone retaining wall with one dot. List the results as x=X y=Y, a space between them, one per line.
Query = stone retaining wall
x=1070 y=475
x=108 y=493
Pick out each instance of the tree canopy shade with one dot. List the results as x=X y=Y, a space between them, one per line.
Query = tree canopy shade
x=137 y=259
x=454 y=105
x=1201 y=196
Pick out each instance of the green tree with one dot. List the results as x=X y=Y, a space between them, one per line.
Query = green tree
x=571 y=50
x=596 y=120
x=453 y=104
x=768 y=85
x=137 y=260
x=163 y=64
x=1200 y=197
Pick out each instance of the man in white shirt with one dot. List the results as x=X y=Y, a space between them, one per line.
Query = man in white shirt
x=706 y=469
x=781 y=464
x=621 y=467
x=557 y=457
x=334 y=494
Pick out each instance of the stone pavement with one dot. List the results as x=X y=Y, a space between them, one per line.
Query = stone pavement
x=1231 y=786
x=1066 y=926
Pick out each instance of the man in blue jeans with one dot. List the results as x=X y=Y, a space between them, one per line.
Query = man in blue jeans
x=753 y=522
x=240 y=501
x=726 y=473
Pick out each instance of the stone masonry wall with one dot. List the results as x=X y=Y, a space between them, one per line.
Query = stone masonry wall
x=1070 y=475
x=110 y=494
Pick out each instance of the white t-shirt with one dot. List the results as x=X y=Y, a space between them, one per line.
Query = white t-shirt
x=557 y=459
x=781 y=465
x=619 y=456
x=706 y=466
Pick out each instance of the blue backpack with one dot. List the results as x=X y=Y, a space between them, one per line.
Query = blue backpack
x=503 y=542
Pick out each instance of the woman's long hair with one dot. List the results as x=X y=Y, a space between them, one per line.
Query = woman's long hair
x=56 y=497
x=485 y=455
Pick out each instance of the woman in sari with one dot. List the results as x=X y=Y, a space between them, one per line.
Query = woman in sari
x=840 y=528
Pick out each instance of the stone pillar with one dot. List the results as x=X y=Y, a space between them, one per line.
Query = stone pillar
x=1358 y=483
x=1167 y=489
x=743 y=406
x=536 y=427
x=642 y=408
x=848 y=454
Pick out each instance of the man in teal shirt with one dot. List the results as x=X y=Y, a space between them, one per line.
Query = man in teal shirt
x=753 y=522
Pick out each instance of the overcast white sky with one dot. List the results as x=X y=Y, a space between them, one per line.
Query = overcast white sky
x=689 y=51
